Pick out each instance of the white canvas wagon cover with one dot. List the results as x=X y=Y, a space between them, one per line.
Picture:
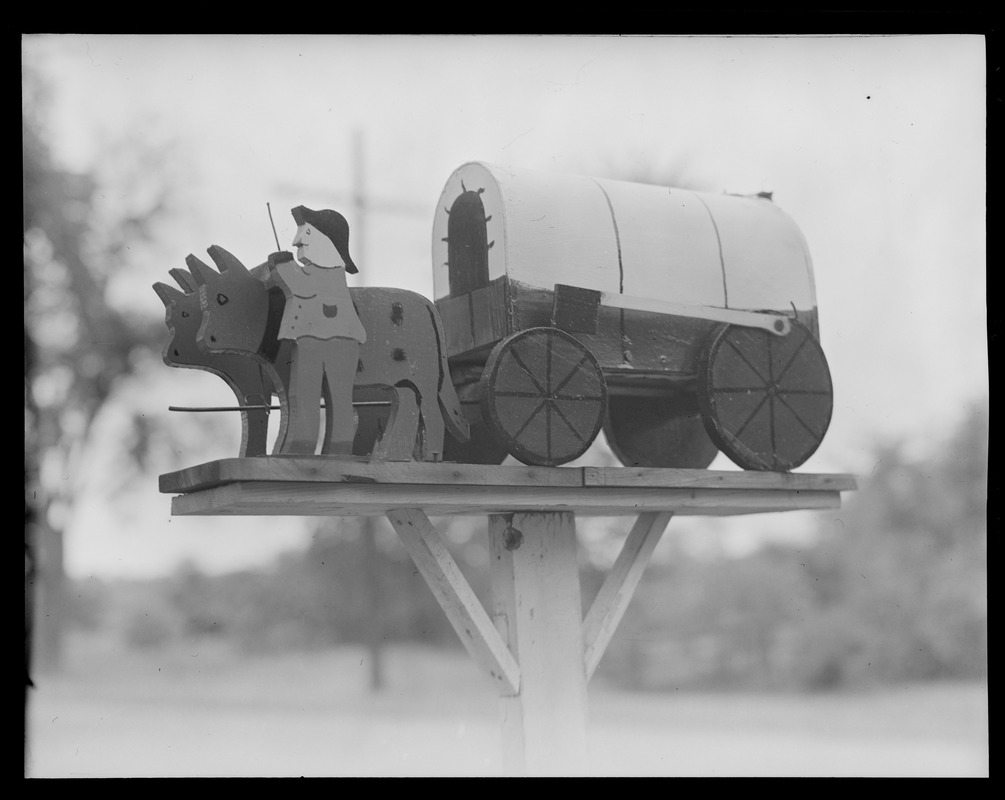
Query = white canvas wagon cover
x=540 y=229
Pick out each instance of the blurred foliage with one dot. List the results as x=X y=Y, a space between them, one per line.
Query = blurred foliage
x=893 y=590
x=82 y=230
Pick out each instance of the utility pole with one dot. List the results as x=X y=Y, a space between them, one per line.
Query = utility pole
x=371 y=556
x=362 y=205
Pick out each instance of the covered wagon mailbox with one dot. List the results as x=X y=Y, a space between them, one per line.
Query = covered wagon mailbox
x=681 y=322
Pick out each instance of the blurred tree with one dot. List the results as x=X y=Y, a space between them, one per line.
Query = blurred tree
x=904 y=580
x=79 y=230
x=894 y=590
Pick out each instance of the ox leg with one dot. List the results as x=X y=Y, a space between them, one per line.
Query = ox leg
x=432 y=421
x=398 y=441
x=284 y=423
x=255 y=438
x=372 y=419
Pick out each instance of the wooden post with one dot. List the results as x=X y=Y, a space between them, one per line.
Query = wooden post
x=538 y=610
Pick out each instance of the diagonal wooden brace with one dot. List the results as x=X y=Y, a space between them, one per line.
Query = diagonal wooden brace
x=455 y=596
x=619 y=586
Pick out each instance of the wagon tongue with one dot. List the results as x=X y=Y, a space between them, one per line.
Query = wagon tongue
x=577 y=310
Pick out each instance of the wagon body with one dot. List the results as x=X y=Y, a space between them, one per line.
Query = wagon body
x=678 y=380
x=503 y=239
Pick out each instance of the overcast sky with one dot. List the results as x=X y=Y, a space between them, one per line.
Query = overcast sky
x=875 y=146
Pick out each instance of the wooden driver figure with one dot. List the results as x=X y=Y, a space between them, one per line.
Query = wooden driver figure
x=320 y=319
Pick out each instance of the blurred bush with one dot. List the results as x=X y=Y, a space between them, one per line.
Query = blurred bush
x=896 y=592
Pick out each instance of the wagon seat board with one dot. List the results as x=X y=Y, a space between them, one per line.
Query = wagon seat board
x=503 y=239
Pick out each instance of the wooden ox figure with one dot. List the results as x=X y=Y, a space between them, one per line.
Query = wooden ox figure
x=251 y=381
x=403 y=359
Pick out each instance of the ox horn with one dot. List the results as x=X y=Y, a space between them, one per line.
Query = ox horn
x=184 y=279
x=168 y=294
x=226 y=261
x=204 y=273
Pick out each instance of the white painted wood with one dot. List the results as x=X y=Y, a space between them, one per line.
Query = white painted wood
x=276 y=498
x=619 y=586
x=669 y=248
x=778 y=324
x=767 y=261
x=458 y=601
x=694 y=248
x=535 y=584
x=324 y=469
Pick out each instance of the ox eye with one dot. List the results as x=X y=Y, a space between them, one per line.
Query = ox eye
x=222 y=299
x=184 y=313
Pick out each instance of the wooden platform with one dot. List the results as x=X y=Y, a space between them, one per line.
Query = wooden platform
x=323 y=486
x=532 y=641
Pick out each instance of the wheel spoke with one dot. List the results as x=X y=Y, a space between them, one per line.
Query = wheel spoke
x=530 y=418
x=746 y=360
x=753 y=414
x=514 y=393
x=516 y=357
x=571 y=427
x=792 y=358
x=547 y=372
x=572 y=374
x=771 y=422
x=547 y=427
x=799 y=419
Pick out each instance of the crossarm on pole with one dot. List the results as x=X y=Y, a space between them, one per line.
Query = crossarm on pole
x=455 y=596
x=619 y=586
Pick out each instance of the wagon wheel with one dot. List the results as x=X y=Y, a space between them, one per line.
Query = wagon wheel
x=658 y=432
x=543 y=396
x=766 y=400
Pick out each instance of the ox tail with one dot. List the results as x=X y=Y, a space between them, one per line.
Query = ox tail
x=450 y=403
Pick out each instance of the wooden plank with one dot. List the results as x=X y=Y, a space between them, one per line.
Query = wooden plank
x=326 y=499
x=456 y=315
x=535 y=584
x=533 y=308
x=576 y=310
x=777 y=324
x=619 y=586
x=360 y=470
x=713 y=479
x=322 y=469
x=454 y=594
x=488 y=313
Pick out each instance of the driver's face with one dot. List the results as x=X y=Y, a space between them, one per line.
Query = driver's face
x=313 y=247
